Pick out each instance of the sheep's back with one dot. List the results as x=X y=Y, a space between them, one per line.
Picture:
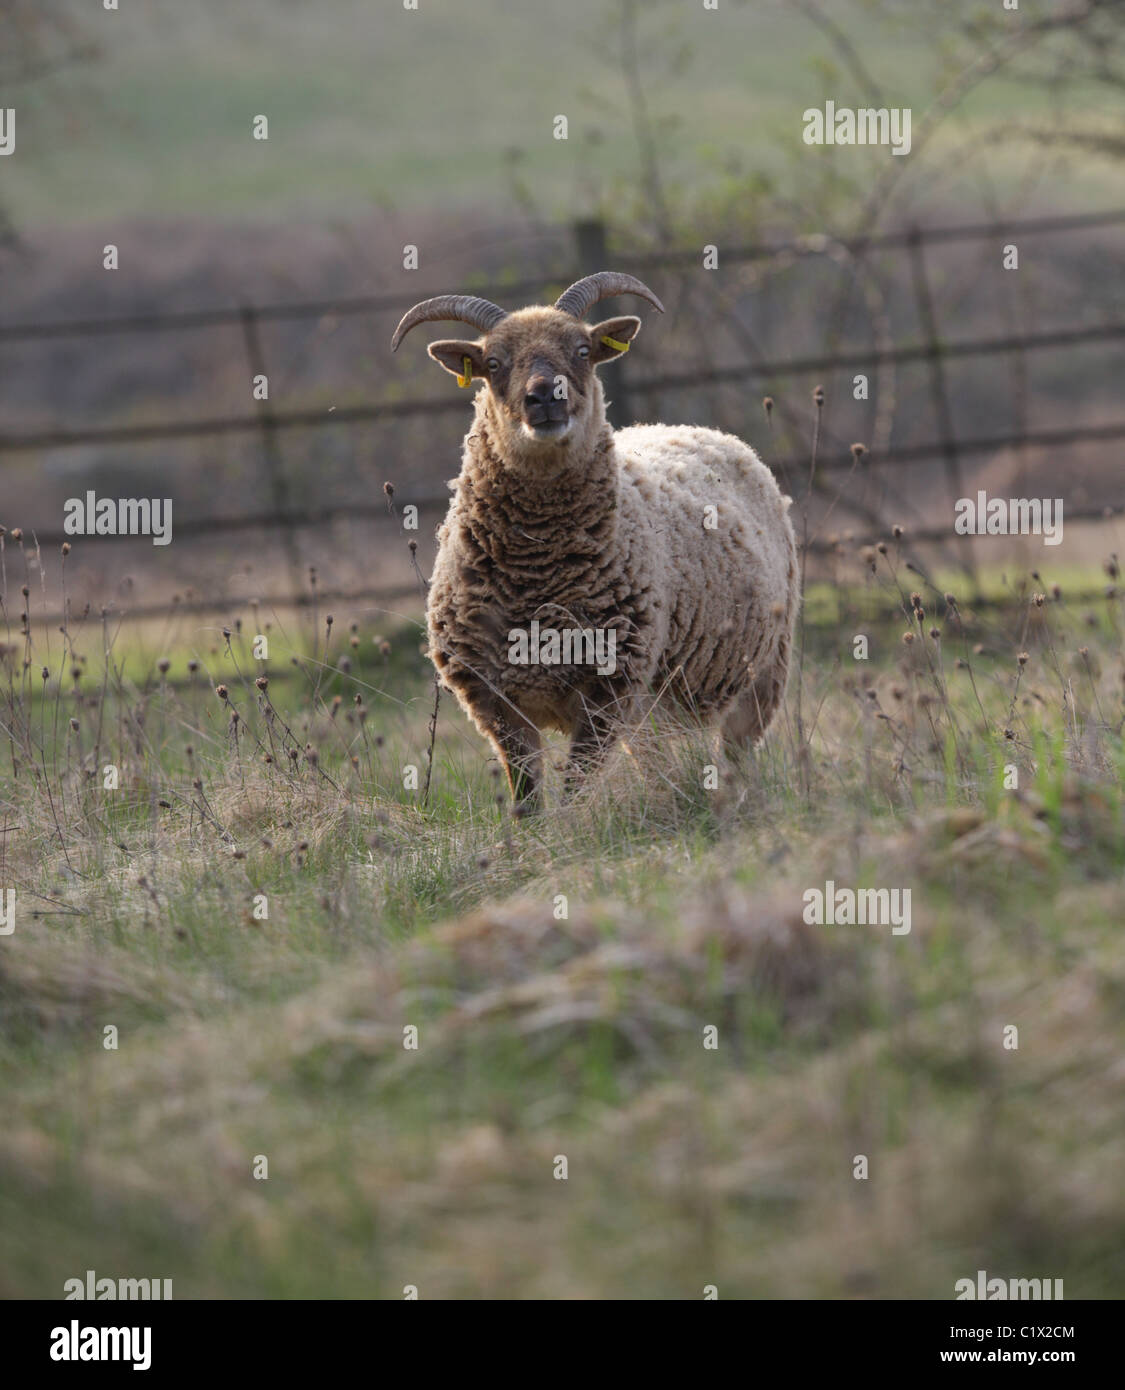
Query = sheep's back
x=730 y=573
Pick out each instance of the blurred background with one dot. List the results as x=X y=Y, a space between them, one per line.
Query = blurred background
x=435 y=128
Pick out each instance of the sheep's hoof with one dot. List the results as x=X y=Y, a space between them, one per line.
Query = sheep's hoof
x=575 y=781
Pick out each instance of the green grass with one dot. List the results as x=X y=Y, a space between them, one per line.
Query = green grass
x=373 y=106
x=582 y=1036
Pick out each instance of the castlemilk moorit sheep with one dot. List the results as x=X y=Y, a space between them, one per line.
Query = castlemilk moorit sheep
x=671 y=544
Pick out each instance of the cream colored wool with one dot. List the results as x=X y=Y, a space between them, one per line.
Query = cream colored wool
x=609 y=532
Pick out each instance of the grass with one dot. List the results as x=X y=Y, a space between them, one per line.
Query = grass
x=399 y=109
x=576 y=1031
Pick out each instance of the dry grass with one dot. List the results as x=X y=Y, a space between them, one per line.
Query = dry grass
x=581 y=1036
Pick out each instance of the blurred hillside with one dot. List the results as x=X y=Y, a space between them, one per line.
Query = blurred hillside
x=452 y=106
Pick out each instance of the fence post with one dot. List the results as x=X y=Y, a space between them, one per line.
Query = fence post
x=592 y=257
x=271 y=451
x=939 y=394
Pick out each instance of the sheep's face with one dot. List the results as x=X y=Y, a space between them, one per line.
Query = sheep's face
x=539 y=368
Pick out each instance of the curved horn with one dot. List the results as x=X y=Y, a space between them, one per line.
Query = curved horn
x=464 y=308
x=606 y=284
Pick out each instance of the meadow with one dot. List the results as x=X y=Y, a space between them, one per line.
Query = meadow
x=451 y=107
x=441 y=1000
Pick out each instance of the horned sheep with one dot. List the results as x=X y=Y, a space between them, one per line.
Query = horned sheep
x=672 y=543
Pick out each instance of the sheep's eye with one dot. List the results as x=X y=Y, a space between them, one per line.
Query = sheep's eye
x=583 y=351
x=493 y=364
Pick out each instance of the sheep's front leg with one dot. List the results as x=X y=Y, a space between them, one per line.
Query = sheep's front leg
x=591 y=739
x=518 y=746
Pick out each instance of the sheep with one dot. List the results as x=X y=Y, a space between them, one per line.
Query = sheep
x=672 y=545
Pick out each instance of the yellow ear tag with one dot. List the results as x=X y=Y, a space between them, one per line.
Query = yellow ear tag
x=613 y=343
x=466 y=377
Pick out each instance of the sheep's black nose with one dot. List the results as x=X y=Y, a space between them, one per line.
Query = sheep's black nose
x=538 y=391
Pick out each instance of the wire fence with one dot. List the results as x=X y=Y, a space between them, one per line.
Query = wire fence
x=286 y=521
x=662 y=260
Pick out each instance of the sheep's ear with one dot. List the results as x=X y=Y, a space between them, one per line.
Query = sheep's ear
x=612 y=338
x=464 y=360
